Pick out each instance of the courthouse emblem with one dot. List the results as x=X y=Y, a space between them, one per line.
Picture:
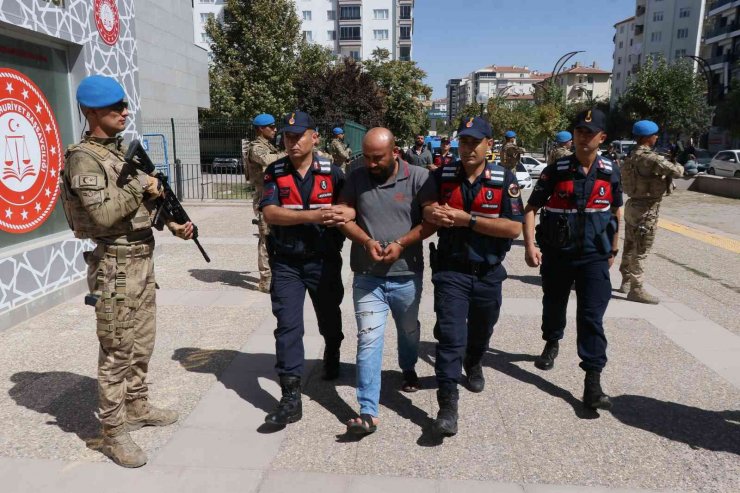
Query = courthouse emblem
x=32 y=154
x=107 y=20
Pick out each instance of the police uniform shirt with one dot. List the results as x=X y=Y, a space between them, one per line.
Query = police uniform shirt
x=511 y=208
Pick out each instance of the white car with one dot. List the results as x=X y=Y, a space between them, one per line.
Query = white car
x=533 y=166
x=725 y=163
x=522 y=175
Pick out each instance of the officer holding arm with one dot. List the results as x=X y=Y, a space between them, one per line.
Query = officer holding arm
x=580 y=196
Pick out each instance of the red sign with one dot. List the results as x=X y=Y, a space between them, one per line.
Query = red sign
x=107 y=20
x=32 y=154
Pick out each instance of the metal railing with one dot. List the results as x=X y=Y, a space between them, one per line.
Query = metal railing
x=717 y=4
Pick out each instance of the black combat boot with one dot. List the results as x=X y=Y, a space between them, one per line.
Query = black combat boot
x=474 y=374
x=331 y=362
x=593 y=396
x=289 y=409
x=547 y=359
x=446 y=422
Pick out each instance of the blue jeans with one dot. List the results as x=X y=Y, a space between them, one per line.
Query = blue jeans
x=373 y=298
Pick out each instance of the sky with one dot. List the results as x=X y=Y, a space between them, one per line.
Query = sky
x=455 y=37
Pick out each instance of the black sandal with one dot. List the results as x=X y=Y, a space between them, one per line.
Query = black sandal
x=364 y=427
x=410 y=381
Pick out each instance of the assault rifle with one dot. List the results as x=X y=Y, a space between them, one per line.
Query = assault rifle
x=168 y=207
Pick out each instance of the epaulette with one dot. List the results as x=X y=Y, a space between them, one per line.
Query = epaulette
x=605 y=165
x=281 y=167
x=321 y=165
x=450 y=171
x=494 y=175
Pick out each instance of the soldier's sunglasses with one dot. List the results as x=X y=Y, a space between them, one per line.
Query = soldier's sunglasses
x=119 y=107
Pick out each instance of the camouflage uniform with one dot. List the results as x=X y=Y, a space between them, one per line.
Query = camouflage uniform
x=558 y=152
x=105 y=200
x=259 y=155
x=340 y=153
x=510 y=155
x=644 y=175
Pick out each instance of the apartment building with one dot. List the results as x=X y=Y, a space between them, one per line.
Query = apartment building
x=582 y=83
x=721 y=47
x=350 y=28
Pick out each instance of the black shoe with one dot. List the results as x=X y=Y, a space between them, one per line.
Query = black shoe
x=547 y=359
x=331 y=363
x=289 y=409
x=474 y=374
x=446 y=422
x=593 y=396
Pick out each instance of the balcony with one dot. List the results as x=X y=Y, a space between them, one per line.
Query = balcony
x=717 y=4
x=719 y=31
x=639 y=28
x=640 y=10
x=719 y=59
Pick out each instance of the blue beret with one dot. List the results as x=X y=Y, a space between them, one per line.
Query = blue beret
x=337 y=131
x=510 y=134
x=644 y=128
x=563 y=137
x=97 y=91
x=263 y=120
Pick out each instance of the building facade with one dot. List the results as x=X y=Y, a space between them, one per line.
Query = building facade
x=350 y=28
x=584 y=83
x=622 y=64
x=45 y=51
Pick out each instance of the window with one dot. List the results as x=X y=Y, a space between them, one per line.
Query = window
x=307 y=36
x=621 y=44
x=657 y=16
x=404 y=54
x=355 y=55
x=621 y=29
x=656 y=36
x=619 y=75
x=619 y=61
x=331 y=35
x=349 y=13
x=590 y=79
x=349 y=33
x=631 y=42
x=405 y=12
x=204 y=17
x=380 y=14
x=685 y=12
x=682 y=33
x=204 y=38
x=306 y=15
x=380 y=34
x=331 y=15
x=405 y=32
x=680 y=53
x=206 y=1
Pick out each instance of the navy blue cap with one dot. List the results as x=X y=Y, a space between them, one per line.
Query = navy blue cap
x=298 y=122
x=644 y=128
x=510 y=134
x=263 y=120
x=476 y=127
x=337 y=131
x=563 y=137
x=97 y=91
x=593 y=119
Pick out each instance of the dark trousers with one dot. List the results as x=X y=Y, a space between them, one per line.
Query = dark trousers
x=467 y=308
x=291 y=278
x=593 y=291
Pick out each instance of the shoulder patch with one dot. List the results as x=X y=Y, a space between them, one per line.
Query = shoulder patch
x=514 y=191
x=88 y=182
x=321 y=165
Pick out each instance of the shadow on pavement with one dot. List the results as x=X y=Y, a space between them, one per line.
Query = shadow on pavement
x=533 y=280
x=718 y=431
x=228 y=277
x=70 y=398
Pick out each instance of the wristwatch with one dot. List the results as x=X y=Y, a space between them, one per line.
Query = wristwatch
x=473 y=220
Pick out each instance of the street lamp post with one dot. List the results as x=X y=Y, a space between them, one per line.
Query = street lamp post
x=708 y=75
x=481 y=99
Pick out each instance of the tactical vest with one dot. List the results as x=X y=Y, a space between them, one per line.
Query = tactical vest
x=510 y=155
x=576 y=222
x=78 y=218
x=638 y=180
x=463 y=244
x=447 y=160
x=304 y=240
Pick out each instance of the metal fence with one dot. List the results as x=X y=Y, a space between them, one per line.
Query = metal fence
x=203 y=159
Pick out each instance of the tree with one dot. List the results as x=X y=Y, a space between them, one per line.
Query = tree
x=255 y=48
x=403 y=87
x=729 y=109
x=670 y=95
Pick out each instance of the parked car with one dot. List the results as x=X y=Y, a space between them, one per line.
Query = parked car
x=533 y=166
x=622 y=148
x=227 y=165
x=522 y=175
x=703 y=158
x=725 y=163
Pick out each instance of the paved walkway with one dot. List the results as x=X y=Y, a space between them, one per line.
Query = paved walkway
x=674 y=374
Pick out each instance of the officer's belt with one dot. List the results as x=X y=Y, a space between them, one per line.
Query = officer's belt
x=467 y=267
x=128 y=251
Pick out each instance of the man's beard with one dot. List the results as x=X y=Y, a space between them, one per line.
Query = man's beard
x=382 y=175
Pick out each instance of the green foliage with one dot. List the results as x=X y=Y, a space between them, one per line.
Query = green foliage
x=729 y=109
x=670 y=95
x=255 y=51
x=402 y=85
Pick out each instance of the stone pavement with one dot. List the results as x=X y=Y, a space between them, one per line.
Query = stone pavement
x=674 y=374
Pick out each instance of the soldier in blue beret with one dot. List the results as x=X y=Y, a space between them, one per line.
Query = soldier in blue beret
x=564 y=141
x=511 y=153
x=341 y=153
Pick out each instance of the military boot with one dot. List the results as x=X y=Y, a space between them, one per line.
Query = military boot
x=331 y=362
x=641 y=296
x=625 y=286
x=446 y=422
x=547 y=359
x=289 y=409
x=474 y=374
x=593 y=396
x=118 y=445
x=140 y=413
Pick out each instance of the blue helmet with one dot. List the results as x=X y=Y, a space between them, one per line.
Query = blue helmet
x=510 y=134
x=563 y=137
x=97 y=91
x=644 y=128
x=263 y=120
x=337 y=131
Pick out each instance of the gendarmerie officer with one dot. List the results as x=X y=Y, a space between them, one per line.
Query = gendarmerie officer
x=580 y=196
x=297 y=199
x=478 y=208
